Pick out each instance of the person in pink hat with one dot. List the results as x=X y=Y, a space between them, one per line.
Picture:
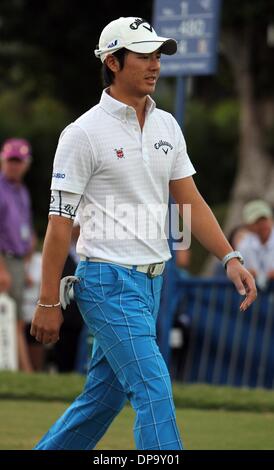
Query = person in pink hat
x=15 y=231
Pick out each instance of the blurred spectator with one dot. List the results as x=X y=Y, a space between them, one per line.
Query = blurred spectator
x=257 y=247
x=168 y=339
x=15 y=231
x=180 y=333
x=236 y=235
x=31 y=294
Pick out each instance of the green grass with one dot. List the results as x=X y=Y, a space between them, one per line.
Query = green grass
x=209 y=417
x=65 y=387
x=22 y=423
x=55 y=387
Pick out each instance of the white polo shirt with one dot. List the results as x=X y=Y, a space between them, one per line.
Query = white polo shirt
x=123 y=175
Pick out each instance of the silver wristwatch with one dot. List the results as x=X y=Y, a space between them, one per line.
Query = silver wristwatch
x=231 y=255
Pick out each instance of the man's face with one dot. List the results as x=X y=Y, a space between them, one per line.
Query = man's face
x=139 y=74
x=14 y=169
x=262 y=227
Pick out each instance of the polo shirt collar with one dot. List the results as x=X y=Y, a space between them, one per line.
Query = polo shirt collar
x=119 y=109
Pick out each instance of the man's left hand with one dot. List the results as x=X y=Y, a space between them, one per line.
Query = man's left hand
x=243 y=281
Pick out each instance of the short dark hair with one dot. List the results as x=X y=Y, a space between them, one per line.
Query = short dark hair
x=107 y=75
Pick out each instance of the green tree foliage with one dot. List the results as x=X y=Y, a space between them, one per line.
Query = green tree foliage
x=249 y=21
x=40 y=120
x=52 y=42
x=212 y=135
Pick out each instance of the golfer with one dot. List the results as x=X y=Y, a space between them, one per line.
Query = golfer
x=115 y=166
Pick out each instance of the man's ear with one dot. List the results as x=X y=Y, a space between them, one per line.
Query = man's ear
x=112 y=62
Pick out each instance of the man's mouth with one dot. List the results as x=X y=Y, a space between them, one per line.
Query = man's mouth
x=152 y=79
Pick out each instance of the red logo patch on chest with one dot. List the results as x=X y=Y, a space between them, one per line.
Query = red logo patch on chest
x=119 y=153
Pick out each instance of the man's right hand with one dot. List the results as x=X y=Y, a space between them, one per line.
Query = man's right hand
x=5 y=280
x=46 y=324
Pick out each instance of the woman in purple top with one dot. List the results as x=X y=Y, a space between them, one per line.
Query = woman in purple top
x=15 y=231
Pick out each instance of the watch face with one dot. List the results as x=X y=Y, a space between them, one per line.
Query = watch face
x=239 y=256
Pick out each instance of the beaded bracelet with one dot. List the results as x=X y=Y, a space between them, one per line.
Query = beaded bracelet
x=48 y=305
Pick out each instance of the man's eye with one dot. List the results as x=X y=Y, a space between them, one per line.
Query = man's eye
x=146 y=57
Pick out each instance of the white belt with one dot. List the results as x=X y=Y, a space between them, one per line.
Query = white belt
x=152 y=270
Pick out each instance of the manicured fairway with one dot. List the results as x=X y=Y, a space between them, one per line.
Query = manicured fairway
x=23 y=422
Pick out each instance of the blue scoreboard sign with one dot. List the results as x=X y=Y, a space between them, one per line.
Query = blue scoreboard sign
x=195 y=26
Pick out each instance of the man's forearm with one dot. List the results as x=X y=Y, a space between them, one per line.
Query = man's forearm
x=55 y=252
x=204 y=225
x=206 y=229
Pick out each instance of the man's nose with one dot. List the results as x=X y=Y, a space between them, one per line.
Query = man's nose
x=154 y=63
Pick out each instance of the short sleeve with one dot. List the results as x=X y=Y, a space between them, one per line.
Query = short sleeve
x=73 y=162
x=182 y=166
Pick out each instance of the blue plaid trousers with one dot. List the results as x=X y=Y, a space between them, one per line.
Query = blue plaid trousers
x=120 y=307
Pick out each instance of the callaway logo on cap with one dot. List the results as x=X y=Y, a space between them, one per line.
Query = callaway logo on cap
x=134 y=34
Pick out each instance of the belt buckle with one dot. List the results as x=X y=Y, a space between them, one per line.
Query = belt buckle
x=153 y=271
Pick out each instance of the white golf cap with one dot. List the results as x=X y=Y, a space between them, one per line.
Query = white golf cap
x=256 y=209
x=134 y=34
